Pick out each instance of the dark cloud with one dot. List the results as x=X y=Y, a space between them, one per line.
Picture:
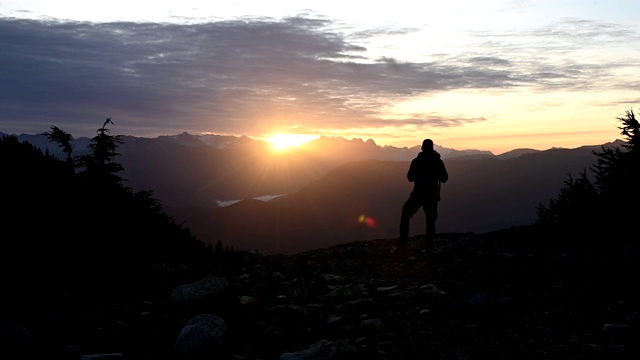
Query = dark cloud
x=243 y=76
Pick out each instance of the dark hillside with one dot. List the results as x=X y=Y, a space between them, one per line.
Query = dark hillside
x=482 y=195
x=489 y=194
x=200 y=175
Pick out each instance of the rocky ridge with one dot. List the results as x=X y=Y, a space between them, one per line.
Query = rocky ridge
x=474 y=297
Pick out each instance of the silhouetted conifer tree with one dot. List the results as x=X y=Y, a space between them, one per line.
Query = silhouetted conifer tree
x=98 y=167
x=64 y=141
x=606 y=209
x=617 y=178
x=573 y=204
x=86 y=226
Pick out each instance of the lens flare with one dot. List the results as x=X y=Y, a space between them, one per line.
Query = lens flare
x=369 y=221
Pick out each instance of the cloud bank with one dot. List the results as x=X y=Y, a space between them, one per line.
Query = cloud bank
x=249 y=76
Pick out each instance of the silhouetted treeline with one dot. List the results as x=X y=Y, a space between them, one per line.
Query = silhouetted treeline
x=600 y=211
x=73 y=226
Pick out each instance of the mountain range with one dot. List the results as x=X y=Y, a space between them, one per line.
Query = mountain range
x=330 y=190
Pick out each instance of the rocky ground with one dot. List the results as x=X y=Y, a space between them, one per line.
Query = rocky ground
x=474 y=297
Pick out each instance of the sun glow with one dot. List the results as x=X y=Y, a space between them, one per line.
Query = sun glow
x=286 y=141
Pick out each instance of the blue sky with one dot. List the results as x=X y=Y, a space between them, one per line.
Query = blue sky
x=489 y=75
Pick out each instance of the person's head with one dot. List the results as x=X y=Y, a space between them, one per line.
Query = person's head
x=427 y=145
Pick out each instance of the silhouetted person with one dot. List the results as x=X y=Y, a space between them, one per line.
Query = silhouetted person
x=427 y=172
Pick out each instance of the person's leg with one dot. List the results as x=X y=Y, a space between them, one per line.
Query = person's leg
x=431 y=214
x=409 y=209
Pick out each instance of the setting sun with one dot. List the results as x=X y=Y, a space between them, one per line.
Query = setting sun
x=285 y=141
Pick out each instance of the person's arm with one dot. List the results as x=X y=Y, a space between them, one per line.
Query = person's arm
x=444 y=176
x=411 y=174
